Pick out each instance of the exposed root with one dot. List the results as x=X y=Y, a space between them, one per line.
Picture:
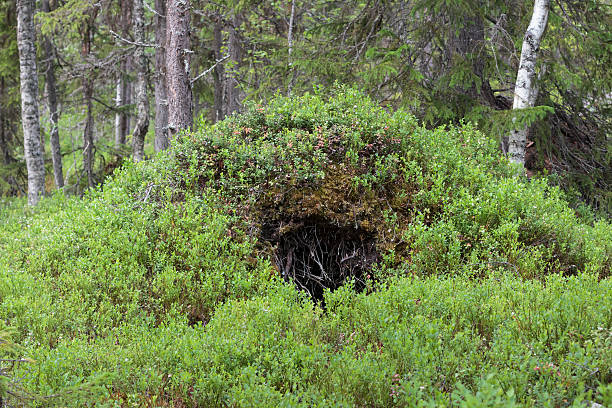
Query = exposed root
x=316 y=255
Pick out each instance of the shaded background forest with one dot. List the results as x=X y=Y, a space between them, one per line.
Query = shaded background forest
x=445 y=61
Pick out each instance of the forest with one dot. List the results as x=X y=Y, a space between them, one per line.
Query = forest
x=305 y=203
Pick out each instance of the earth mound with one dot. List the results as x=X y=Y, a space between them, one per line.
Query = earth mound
x=341 y=189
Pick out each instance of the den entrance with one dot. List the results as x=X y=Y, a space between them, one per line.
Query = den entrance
x=316 y=255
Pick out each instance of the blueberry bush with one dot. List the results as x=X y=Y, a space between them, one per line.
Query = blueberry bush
x=169 y=285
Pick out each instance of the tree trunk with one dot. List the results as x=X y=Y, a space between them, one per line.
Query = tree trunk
x=178 y=55
x=290 y=31
x=196 y=104
x=120 y=130
x=219 y=71
x=161 y=93
x=142 y=121
x=56 y=154
x=290 y=49
x=88 y=132
x=122 y=126
x=29 y=101
x=128 y=97
x=4 y=142
x=525 y=85
x=235 y=53
x=88 y=87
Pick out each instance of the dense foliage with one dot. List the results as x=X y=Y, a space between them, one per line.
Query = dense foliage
x=162 y=287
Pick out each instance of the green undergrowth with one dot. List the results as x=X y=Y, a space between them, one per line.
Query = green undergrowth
x=494 y=342
x=163 y=288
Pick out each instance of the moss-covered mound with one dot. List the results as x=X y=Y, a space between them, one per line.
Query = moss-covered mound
x=336 y=186
x=188 y=280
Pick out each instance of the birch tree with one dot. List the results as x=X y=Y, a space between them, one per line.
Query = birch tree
x=29 y=101
x=122 y=97
x=290 y=48
x=142 y=101
x=525 y=86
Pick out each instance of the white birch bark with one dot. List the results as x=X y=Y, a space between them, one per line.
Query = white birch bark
x=122 y=126
x=290 y=48
x=29 y=101
x=525 y=85
x=119 y=135
x=290 y=33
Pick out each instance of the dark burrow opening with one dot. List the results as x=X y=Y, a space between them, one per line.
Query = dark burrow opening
x=317 y=255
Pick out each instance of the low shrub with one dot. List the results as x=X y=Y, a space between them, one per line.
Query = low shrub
x=500 y=341
x=168 y=286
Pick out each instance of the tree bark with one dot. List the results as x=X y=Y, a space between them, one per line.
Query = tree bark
x=142 y=121
x=525 y=85
x=88 y=132
x=56 y=154
x=290 y=49
x=219 y=71
x=129 y=86
x=4 y=142
x=161 y=93
x=290 y=31
x=88 y=87
x=178 y=55
x=235 y=53
x=29 y=101
x=122 y=126
x=120 y=130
